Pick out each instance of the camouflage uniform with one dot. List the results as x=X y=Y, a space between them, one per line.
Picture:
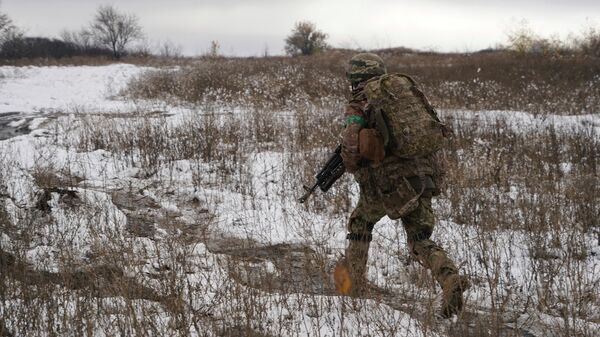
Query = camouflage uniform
x=401 y=189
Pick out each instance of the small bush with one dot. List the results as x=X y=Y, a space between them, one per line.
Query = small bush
x=305 y=39
x=590 y=42
x=523 y=40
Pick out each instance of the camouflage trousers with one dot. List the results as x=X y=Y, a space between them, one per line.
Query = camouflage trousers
x=418 y=224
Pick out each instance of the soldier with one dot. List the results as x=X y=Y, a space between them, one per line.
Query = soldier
x=390 y=144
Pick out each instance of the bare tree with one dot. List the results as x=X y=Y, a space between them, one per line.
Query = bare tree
x=82 y=39
x=5 y=26
x=214 y=50
x=115 y=30
x=169 y=50
x=5 y=21
x=305 y=39
x=8 y=31
x=589 y=44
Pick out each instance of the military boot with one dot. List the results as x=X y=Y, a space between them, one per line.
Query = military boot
x=433 y=257
x=453 y=287
x=350 y=274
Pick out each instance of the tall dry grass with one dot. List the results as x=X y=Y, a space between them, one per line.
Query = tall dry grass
x=490 y=81
x=520 y=214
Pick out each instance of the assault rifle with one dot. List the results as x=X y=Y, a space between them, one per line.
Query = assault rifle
x=329 y=174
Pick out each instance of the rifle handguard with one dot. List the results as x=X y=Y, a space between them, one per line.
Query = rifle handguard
x=334 y=168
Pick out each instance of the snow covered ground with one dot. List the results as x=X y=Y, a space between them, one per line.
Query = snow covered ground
x=255 y=206
x=65 y=89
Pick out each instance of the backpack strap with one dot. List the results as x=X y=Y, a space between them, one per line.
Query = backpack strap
x=378 y=118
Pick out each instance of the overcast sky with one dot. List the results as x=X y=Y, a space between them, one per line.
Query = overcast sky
x=248 y=27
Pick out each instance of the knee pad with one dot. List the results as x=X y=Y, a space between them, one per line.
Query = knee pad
x=364 y=237
x=421 y=235
x=357 y=224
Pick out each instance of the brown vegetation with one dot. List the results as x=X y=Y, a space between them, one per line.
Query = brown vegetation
x=491 y=81
x=523 y=199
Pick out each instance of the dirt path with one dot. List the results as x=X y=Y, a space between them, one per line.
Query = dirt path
x=287 y=268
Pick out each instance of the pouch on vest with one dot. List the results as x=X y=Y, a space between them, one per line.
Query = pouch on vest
x=401 y=200
x=371 y=145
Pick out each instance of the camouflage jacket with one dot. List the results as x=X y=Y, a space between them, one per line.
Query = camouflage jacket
x=396 y=183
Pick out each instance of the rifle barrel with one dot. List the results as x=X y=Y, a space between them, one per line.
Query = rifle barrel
x=308 y=193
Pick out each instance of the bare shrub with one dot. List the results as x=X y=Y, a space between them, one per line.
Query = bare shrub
x=214 y=50
x=8 y=31
x=589 y=43
x=261 y=83
x=522 y=40
x=169 y=50
x=82 y=38
x=305 y=39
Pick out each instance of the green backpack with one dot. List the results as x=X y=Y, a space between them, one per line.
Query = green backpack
x=407 y=122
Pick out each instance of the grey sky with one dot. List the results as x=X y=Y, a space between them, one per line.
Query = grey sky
x=247 y=27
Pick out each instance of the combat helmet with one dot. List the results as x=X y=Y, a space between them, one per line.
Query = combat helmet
x=364 y=66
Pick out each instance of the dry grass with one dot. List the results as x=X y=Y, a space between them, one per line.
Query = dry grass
x=503 y=81
x=525 y=199
x=491 y=81
x=276 y=82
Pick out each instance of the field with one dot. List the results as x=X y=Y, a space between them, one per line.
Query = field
x=160 y=199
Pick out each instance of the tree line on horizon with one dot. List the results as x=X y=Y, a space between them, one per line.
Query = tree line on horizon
x=112 y=33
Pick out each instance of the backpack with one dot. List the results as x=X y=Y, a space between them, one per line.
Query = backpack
x=408 y=124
